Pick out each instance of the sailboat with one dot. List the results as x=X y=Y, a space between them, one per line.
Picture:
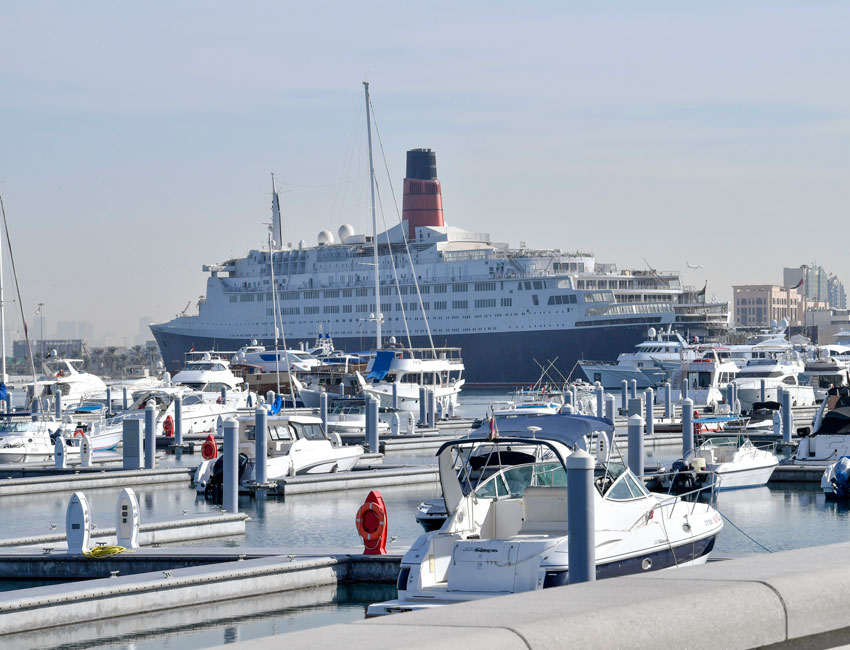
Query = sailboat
x=395 y=368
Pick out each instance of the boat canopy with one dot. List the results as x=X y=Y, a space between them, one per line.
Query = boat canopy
x=381 y=365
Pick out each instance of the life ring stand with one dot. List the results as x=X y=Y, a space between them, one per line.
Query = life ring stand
x=209 y=449
x=371 y=524
x=79 y=432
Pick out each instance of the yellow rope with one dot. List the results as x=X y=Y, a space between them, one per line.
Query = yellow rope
x=103 y=551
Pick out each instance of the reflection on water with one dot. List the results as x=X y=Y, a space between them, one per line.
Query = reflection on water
x=213 y=624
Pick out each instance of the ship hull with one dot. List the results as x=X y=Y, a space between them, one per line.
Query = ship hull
x=490 y=358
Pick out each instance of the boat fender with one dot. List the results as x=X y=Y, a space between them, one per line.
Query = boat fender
x=168 y=426
x=370 y=521
x=209 y=449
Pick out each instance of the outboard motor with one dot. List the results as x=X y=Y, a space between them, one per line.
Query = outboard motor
x=215 y=486
x=683 y=479
x=841 y=478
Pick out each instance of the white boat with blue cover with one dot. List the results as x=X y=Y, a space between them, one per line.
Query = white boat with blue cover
x=507 y=531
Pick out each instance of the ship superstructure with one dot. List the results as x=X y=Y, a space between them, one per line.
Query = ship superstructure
x=508 y=309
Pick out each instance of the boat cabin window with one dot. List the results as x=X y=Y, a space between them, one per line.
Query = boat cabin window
x=790 y=379
x=699 y=379
x=825 y=381
x=308 y=431
x=512 y=481
x=766 y=374
x=625 y=488
x=192 y=399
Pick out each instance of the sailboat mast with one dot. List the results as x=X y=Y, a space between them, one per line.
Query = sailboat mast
x=3 y=376
x=374 y=223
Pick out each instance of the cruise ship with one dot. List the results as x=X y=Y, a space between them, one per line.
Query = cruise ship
x=513 y=311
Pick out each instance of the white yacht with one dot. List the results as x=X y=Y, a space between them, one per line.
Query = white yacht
x=438 y=369
x=507 y=530
x=734 y=462
x=347 y=415
x=776 y=373
x=265 y=360
x=208 y=374
x=66 y=376
x=707 y=379
x=827 y=370
x=296 y=444
x=831 y=438
x=653 y=362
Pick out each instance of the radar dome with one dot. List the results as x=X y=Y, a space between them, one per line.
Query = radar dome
x=345 y=231
x=326 y=237
x=651 y=332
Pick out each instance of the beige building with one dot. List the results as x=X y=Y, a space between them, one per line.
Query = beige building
x=755 y=305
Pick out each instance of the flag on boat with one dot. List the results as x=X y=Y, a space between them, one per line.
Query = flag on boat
x=192 y=349
x=38 y=311
x=701 y=292
x=494 y=432
x=799 y=284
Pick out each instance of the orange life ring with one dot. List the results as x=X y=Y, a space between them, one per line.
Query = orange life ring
x=168 y=426
x=209 y=449
x=79 y=431
x=377 y=520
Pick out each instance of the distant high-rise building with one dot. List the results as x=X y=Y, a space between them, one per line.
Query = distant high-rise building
x=816 y=284
x=85 y=330
x=837 y=296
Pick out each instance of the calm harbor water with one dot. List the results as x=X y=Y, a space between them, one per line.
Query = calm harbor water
x=779 y=517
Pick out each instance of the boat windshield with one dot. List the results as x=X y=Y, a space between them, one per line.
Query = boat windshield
x=15 y=426
x=204 y=366
x=512 y=481
x=309 y=431
x=745 y=373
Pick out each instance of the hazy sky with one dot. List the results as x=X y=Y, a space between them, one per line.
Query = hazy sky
x=136 y=141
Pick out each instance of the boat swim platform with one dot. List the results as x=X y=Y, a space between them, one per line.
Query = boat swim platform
x=359 y=478
x=777 y=600
x=225 y=524
x=88 y=478
x=194 y=576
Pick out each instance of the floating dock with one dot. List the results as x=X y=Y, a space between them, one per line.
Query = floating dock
x=82 y=478
x=365 y=478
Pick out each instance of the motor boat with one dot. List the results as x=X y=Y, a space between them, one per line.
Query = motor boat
x=26 y=439
x=347 y=415
x=653 y=362
x=296 y=445
x=776 y=373
x=728 y=462
x=67 y=377
x=830 y=439
x=264 y=360
x=507 y=531
x=825 y=371
x=437 y=369
x=707 y=379
x=835 y=481
x=207 y=374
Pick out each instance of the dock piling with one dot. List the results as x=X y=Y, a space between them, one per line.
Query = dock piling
x=423 y=407
x=609 y=407
x=787 y=417
x=224 y=395
x=395 y=395
x=763 y=391
x=57 y=404
x=124 y=401
x=108 y=400
x=372 y=425
x=634 y=389
x=260 y=445
x=636 y=444
x=687 y=426
x=395 y=424
x=668 y=401
x=178 y=420
x=230 y=476
x=150 y=435
x=649 y=397
x=624 y=394
x=432 y=409
x=323 y=409
x=581 y=544
x=600 y=400
x=684 y=389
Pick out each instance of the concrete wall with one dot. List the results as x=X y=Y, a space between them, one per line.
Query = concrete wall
x=793 y=599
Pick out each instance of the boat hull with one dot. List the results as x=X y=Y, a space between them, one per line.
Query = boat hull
x=490 y=358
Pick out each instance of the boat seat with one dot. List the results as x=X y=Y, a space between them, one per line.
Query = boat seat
x=503 y=519
x=544 y=511
x=707 y=455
